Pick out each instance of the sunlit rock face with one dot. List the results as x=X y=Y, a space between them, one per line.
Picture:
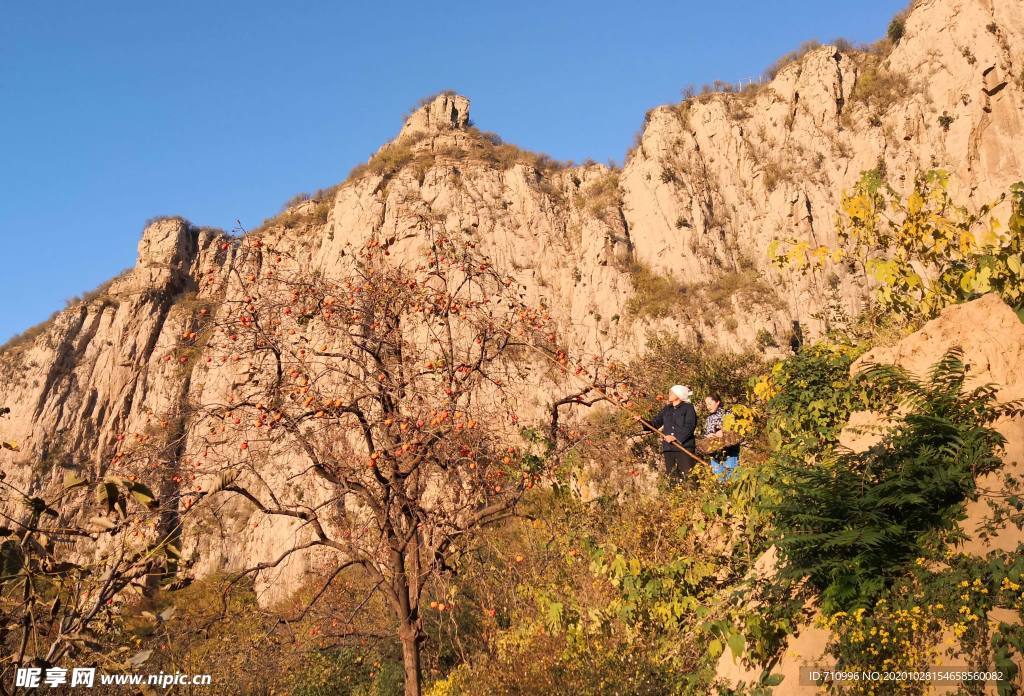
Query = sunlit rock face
x=710 y=183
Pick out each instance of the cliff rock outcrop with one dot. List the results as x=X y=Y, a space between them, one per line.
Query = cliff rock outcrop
x=709 y=184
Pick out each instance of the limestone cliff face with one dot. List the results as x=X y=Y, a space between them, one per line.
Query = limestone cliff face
x=710 y=183
x=714 y=180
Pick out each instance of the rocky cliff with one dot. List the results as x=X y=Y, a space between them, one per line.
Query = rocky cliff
x=690 y=214
x=714 y=179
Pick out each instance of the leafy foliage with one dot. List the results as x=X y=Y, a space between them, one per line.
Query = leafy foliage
x=66 y=558
x=896 y=28
x=853 y=524
x=614 y=595
x=961 y=596
x=806 y=399
x=347 y=670
x=924 y=253
x=706 y=369
x=667 y=360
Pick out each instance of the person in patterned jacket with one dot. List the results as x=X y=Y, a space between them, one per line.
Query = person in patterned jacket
x=725 y=460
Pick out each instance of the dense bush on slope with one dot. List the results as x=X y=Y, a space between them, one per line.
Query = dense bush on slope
x=858 y=520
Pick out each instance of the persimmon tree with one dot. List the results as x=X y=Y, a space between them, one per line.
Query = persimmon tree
x=394 y=391
x=70 y=554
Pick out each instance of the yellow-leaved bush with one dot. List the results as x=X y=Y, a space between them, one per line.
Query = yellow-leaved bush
x=924 y=252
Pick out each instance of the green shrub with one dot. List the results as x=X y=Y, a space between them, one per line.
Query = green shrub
x=348 y=671
x=908 y=626
x=808 y=399
x=856 y=522
x=766 y=340
x=601 y=596
x=706 y=368
x=210 y=627
x=897 y=27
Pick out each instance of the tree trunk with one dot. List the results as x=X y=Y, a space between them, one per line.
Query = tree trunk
x=410 y=638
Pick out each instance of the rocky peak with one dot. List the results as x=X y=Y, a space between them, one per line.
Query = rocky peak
x=444 y=112
x=166 y=250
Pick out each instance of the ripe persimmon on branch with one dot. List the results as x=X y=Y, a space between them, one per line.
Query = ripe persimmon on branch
x=396 y=389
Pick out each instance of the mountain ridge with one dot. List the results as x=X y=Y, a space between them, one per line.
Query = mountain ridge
x=673 y=241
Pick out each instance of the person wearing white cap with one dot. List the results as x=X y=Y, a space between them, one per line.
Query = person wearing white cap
x=677 y=422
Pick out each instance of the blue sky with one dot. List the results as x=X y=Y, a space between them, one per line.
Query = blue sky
x=114 y=112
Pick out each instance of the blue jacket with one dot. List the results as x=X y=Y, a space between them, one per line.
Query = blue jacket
x=680 y=421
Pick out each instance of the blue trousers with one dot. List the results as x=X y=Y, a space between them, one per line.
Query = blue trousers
x=723 y=469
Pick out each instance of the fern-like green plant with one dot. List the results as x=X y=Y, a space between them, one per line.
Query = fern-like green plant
x=853 y=523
